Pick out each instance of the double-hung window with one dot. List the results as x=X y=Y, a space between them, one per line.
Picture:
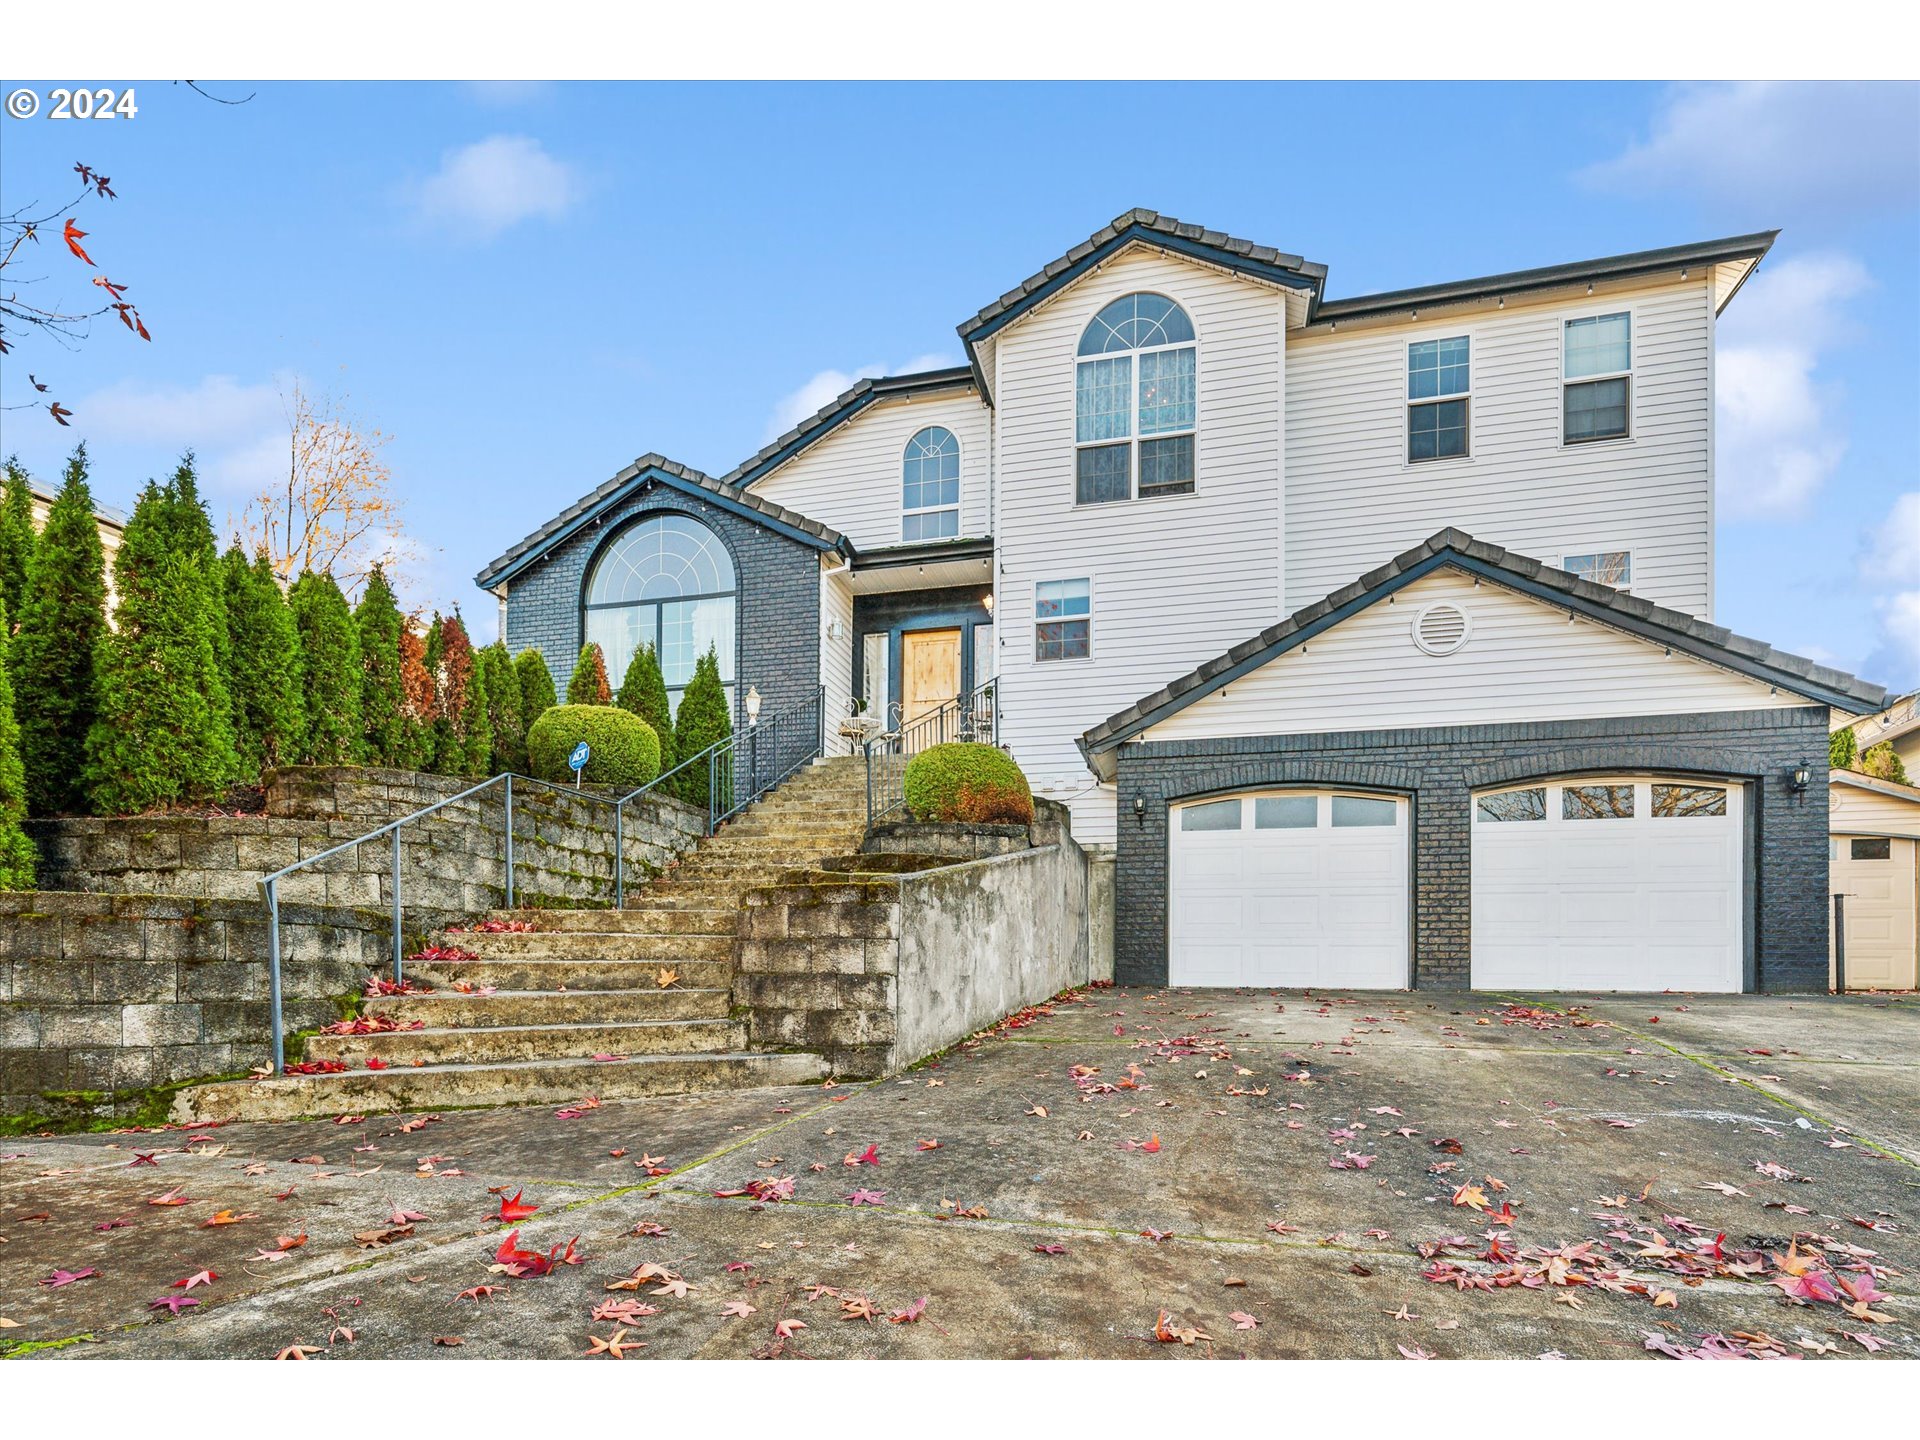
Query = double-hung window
x=1134 y=402
x=1597 y=378
x=930 y=486
x=1439 y=384
x=1063 y=620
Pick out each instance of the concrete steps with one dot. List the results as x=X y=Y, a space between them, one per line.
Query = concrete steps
x=581 y=983
x=525 y=1082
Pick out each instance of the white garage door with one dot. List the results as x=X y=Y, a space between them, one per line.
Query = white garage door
x=1289 y=888
x=1876 y=875
x=1608 y=884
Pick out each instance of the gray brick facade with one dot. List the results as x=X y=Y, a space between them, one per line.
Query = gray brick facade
x=779 y=584
x=1439 y=768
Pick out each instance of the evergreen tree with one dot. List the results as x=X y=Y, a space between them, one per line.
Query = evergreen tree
x=16 y=851
x=589 y=683
x=436 y=736
x=509 y=726
x=704 y=720
x=416 y=688
x=61 y=626
x=644 y=692
x=476 y=723
x=16 y=537
x=330 y=688
x=189 y=533
x=266 y=680
x=537 y=695
x=1843 y=749
x=158 y=735
x=383 y=709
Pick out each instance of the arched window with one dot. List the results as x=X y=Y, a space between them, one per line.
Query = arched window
x=1134 y=401
x=667 y=582
x=930 y=486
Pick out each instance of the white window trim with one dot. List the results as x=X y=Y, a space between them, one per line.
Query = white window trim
x=1093 y=608
x=1633 y=561
x=1633 y=389
x=1407 y=402
x=901 y=484
x=1134 y=496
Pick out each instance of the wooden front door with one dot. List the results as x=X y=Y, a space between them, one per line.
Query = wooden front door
x=929 y=673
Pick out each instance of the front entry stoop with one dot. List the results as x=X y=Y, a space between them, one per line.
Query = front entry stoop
x=616 y=1004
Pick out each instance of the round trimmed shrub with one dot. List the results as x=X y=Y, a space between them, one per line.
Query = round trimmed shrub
x=623 y=750
x=970 y=784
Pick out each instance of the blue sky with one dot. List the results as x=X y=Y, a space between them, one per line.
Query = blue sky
x=528 y=285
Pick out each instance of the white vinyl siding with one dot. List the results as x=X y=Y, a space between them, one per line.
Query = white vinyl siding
x=836 y=655
x=1524 y=661
x=1177 y=578
x=1353 y=502
x=851 y=479
x=1856 y=810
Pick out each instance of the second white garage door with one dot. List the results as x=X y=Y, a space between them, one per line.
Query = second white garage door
x=1608 y=884
x=1289 y=888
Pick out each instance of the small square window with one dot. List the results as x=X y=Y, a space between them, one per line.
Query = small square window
x=1596 y=410
x=1286 y=812
x=1871 y=849
x=1101 y=474
x=1217 y=815
x=1437 y=431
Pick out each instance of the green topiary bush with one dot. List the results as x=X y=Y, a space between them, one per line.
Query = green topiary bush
x=968 y=783
x=625 y=753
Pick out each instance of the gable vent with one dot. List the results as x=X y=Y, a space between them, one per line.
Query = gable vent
x=1442 y=629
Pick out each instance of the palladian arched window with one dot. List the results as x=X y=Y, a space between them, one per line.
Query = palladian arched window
x=667 y=582
x=1134 y=401
x=930 y=486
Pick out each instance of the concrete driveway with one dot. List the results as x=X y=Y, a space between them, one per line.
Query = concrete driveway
x=1263 y=1174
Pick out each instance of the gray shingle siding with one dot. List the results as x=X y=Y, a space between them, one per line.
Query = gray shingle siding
x=1786 y=918
x=779 y=581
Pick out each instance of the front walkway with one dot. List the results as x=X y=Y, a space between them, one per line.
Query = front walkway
x=1054 y=1191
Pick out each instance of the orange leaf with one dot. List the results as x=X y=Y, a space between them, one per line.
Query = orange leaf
x=73 y=235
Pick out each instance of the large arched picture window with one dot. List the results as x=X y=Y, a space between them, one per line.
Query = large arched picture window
x=930 y=486
x=1134 y=401
x=667 y=582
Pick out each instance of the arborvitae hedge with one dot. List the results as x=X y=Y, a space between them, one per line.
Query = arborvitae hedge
x=1843 y=749
x=537 y=695
x=330 y=687
x=387 y=738
x=265 y=669
x=644 y=692
x=16 y=851
x=589 y=683
x=189 y=533
x=160 y=735
x=703 y=720
x=466 y=688
x=61 y=625
x=504 y=719
x=416 y=685
x=16 y=537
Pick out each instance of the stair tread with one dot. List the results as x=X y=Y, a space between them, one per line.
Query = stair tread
x=541 y=994
x=545 y=1062
x=468 y=1031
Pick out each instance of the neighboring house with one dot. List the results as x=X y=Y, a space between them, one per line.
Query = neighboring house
x=1875 y=856
x=112 y=524
x=1372 y=634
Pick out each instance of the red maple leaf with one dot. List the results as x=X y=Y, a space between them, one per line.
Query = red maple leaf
x=515 y=1209
x=73 y=235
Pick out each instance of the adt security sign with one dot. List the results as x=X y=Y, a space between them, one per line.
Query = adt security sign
x=577 y=761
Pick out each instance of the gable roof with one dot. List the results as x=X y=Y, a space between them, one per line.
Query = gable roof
x=1450 y=547
x=1900 y=717
x=1263 y=262
x=654 y=469
x=842 y=408
x=1610 y=267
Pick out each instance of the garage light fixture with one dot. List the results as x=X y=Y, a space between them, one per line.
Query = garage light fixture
x=1140 y=809
x=1799 y=777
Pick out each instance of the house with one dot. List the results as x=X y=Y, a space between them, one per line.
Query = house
x=1373 y=636
x=1875 y=824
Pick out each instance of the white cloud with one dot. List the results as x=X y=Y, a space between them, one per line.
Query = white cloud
x=1892 y=554
x=486 y=187
x=1780 y=434
x=824 y=386
x=1838 y=147
x=238 y=431
x=1896 y=663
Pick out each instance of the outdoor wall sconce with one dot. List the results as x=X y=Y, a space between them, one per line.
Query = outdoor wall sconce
x=987 y=601
x=753 y=705
x=1140 y=809
x=1799 y=776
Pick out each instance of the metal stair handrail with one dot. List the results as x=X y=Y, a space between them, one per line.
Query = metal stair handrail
x=770 y=762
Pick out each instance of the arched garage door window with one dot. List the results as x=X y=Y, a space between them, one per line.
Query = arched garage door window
x=666 y=582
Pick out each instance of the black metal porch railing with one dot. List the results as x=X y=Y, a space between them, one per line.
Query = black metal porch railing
x=972 y=717
x=722 y=779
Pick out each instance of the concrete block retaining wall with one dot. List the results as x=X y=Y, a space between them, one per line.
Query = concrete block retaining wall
x=105 y=997
x=878 y=971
